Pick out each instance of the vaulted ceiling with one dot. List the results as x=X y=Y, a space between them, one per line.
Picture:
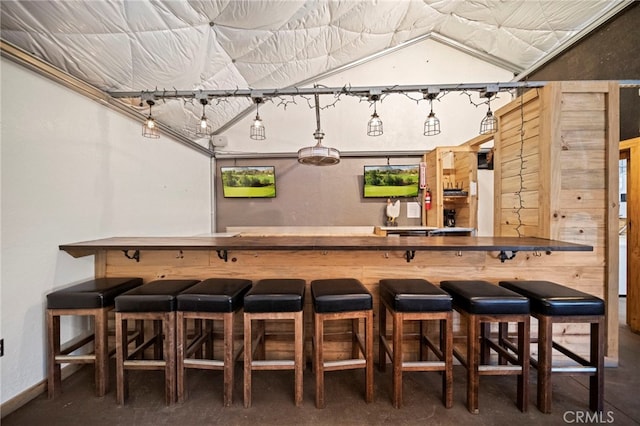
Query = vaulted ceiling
x=134 y=45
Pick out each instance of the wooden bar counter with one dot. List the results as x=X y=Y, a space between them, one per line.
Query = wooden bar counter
x=333 y=243
x=367 y=258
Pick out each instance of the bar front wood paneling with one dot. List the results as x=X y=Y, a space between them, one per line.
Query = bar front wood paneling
x=368 y=259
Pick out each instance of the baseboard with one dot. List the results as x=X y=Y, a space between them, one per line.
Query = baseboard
x=33 y=392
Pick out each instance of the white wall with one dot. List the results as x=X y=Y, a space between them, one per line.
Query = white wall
x=73 y=170
x=426 y=62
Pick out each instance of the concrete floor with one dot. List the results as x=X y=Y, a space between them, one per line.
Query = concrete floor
x=273 y=400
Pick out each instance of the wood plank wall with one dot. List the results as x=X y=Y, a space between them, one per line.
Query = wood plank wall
x=556 y=177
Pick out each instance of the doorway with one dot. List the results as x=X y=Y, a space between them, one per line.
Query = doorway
x=630 y=162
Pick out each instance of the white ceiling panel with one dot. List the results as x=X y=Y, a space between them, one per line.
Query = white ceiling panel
x=133 y=45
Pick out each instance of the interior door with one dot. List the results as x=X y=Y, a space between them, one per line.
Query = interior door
x=630 y=150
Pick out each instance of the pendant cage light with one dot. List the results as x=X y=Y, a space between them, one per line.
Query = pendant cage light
x=257 y=131
x=318 y=155
x=203 y=128
x=432 y=123
x=150 y=127
x=374 y=126
x=489 y=123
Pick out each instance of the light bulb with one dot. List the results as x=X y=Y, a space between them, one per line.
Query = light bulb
x=203 y=122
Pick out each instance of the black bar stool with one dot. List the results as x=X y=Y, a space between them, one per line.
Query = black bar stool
x=553 y=303
x=416 y=300
x=273 y=299
x=93 y=298
x=482 y=303
x=214 y=299
x=342 y=299
x=154 y=302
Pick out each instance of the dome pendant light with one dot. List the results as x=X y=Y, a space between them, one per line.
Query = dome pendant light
x=318 y=155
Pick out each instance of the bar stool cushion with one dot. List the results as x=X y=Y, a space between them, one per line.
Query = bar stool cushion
x=340 y=295
x=96 y=293
x=482 y=297
x=548 y=298
x=155 y=296
x=214 y=295
x=414 y=295
x=275 y=295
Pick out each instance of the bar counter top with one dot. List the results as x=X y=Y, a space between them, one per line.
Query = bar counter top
x=324 y=243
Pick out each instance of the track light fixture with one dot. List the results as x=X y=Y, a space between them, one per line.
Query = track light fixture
x=489 y=123
x=257 y=131
x=432 y=123
x=150 y=128
x=203 y=129
x=374 y=126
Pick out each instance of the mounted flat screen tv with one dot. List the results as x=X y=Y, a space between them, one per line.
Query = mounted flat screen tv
x=248 y=181
x=391 y=181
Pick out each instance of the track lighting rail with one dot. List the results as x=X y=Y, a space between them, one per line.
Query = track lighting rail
x=363 y=91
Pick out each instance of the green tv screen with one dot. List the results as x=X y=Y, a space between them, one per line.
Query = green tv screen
x=248 y=181
x=391 y=181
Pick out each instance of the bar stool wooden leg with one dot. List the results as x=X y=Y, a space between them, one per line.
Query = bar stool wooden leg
x=54 y=373
x=121 y=355
x=382 y=332
x=139 y=324
x=229 y=352
x=369 y=355
x=473 y=359
x=355 y=329
x=158 y=345
x=169 y=356
x=485 y=350
x=248 y=351
x=299 y=356
x=209 y=345
x=101 y=351
x=545 y=346
x=319 y=359
x=596 y=381
x=260 y=351
x=446 y=329
x=398 y=333
x=523 y=360
x=423 y=353
x=503 y=337
x=181 y=348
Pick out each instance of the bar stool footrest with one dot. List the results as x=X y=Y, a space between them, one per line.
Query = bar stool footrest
x=344 y=364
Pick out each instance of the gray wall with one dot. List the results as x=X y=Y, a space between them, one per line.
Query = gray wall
x=611 y=52
x=309 y=195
